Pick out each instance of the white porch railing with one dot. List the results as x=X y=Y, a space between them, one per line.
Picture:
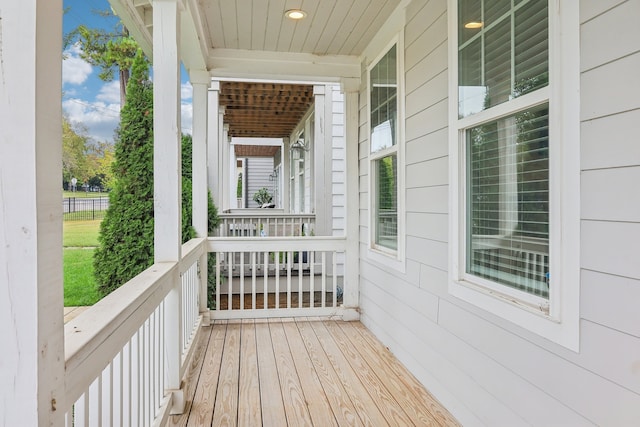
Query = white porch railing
x=116 y=357
x=265 y=222
x=276 y=276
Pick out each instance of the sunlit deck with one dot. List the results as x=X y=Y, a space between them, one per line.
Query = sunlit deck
x=280 y=372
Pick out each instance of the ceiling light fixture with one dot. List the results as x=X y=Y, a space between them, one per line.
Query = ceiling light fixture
x=474 y=25
x=295 y=14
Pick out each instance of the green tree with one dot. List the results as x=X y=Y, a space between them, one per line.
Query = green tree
x=126 y=233
x=112 y=51
x=74 y=152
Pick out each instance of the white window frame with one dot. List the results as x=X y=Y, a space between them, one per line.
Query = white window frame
x=558 y=318
x=377 y=253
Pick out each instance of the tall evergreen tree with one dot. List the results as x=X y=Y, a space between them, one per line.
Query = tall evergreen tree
x=126 y=233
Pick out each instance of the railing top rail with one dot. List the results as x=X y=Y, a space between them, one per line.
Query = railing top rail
x=266 y=214
x=109 y=324
x=277 y=243
x=93 y=338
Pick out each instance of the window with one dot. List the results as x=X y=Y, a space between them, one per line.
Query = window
x=512 y=185
x=383 y=140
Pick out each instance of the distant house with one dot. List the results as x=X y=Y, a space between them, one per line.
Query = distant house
x=471 y=175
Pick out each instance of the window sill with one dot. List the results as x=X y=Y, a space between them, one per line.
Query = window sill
x=562 y=331
x=387 y=258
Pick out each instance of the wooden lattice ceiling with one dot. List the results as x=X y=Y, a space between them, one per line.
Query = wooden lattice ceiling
x=264 y=110
x=256 y=150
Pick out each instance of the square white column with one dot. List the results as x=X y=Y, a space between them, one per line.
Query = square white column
x=32 y=388
x=200 y=81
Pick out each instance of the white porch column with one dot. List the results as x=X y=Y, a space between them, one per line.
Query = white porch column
x=167 y=173
x=213 y=142
x=351 y=298
x=200 y=80
x=286 y=176
x=224 y=170
x=320 y=198
x=233 y=177
x=32 y=388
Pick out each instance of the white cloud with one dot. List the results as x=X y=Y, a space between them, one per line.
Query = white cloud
x=186 y=91
x=186 y=117
x=75 y=70
x=110 y=92
x=98 y=117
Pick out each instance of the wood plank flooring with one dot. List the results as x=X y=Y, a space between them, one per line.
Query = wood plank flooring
x=301 y=372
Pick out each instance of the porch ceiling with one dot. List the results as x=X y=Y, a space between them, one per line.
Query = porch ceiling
x=331 y=27
x=264 y=110
x=256 y=150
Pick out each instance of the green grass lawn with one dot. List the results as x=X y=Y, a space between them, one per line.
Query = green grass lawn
x=79 y=240
x=83 y=194
x=79 y=285
x=80 y=233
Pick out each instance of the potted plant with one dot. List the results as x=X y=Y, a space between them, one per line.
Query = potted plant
x=263 y=198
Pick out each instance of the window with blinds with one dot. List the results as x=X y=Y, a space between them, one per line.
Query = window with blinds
x=503 y=51
x=508 y=200
x=502 y=55
x=383 y=104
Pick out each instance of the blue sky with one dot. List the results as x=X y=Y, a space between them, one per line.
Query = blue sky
x=87 y=100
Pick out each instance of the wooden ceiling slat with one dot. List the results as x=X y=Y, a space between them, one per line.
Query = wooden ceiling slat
x=270 y=110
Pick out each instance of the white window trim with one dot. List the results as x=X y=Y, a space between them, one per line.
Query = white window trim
x=384 y=256
x=560 y=321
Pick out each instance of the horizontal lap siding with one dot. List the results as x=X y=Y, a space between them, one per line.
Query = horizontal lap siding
x=484 y=369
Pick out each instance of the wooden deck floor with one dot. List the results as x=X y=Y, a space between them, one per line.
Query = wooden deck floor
x=310 y=372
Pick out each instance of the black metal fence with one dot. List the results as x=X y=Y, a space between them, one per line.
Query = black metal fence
x=80 y=208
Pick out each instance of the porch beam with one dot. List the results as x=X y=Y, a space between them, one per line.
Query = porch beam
x=167 y=178
x=351 y=298
x=32 y=385
x=254 y=64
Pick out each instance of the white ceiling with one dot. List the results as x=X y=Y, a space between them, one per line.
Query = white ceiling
x=332 y=27
x=228 y=34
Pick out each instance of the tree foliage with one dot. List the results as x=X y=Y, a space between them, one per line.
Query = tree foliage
x=86 y=160
x=74 y=152
x=126 y=233
x=112 y=51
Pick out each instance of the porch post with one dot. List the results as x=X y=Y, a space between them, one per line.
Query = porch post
x=224 y=170
x=286 y=176
x=32 y=387
x=351 y=298
x=320 y=198
x=167 y=178
x=200 y=80
x=213 y=141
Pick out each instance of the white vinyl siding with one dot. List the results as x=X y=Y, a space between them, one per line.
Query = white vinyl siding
x=484 y=368
x=258 y=171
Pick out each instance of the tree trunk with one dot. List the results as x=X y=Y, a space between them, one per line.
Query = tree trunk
x=124 y=79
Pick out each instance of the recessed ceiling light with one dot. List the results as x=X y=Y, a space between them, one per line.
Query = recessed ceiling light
x=473 y=25
x=295 y=14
